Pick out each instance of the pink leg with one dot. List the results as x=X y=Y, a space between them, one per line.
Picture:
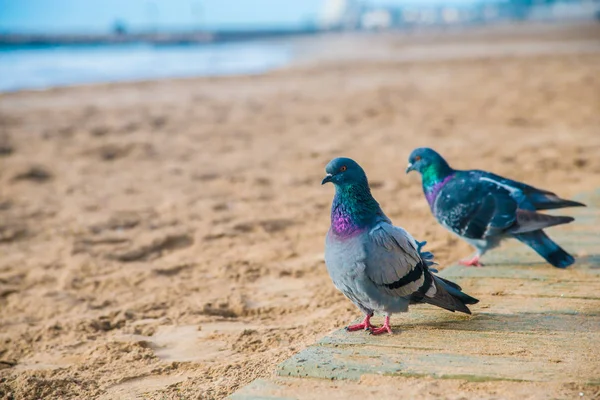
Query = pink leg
x=385 y=328
x=366 y=324
x=473 y=262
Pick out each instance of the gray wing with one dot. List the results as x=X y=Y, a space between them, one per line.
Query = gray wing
x=393 y=262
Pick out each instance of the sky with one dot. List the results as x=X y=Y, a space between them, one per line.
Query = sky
x=98 y=16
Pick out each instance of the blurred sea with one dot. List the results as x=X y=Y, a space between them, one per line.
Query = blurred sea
x=43 y=67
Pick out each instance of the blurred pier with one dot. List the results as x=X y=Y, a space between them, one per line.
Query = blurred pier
x=157 y=38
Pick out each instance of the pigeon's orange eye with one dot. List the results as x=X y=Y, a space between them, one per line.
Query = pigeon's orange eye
x=343 y=168
x=417 y=158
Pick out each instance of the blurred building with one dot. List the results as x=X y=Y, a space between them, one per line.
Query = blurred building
x=354 y=14
x=377 y=19
x=341 y=15
x=563 y=10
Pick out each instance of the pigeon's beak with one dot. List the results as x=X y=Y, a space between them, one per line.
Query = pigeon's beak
x=409 y=168
x=326 y=179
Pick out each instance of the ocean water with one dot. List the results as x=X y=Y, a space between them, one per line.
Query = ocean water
x=44 y=67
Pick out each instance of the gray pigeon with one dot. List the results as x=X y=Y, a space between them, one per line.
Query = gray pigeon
x=484 y=208
x=378 y=266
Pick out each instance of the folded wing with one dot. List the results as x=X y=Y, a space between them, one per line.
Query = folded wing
x=393 y=262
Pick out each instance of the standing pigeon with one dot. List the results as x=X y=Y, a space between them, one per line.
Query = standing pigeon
x=484 y=208
x=378 y=266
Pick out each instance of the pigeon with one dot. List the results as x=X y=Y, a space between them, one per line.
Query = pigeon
x=378 y=266
x=484 y=209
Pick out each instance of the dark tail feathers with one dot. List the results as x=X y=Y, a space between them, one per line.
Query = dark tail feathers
x=543 y=200
x=449 y=296
x=529 y=221
x=546 y=248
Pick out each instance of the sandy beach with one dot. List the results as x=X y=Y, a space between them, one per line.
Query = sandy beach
x=164 y=239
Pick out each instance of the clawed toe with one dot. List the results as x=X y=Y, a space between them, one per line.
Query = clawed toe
x=473 y=262
x=379 y=331
x=357 y=327
x=365 y=325
x=385 y=328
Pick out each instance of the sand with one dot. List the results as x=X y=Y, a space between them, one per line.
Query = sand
x=165 y=239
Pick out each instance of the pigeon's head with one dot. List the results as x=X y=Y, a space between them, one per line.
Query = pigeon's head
x=344 y=171
x=423 y=158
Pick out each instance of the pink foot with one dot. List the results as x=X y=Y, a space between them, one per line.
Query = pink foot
x=366 y=324
x=473 y=262
x=385 y=328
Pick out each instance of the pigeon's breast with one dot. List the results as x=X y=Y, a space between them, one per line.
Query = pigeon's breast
x=344 y=256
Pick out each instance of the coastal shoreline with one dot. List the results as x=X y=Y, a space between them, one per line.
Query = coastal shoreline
x=48 y=67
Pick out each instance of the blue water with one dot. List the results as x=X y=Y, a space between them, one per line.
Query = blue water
x=38 y=68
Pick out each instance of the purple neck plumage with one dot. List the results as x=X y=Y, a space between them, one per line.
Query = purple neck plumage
x=342 y=222
x=353 y=209
x=432 y=190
